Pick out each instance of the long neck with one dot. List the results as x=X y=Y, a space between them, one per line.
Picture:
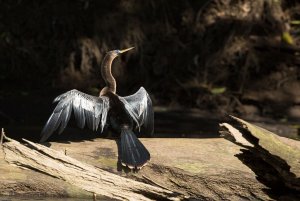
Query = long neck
x=106 y=73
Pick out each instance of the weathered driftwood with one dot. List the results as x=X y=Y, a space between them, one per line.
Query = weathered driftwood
x=205 y=169
x=87 y=177
x=280 y=155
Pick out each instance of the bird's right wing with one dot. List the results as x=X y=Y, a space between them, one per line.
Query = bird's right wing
x=87 y=109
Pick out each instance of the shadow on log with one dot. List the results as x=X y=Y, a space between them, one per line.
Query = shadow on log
x=274 y=159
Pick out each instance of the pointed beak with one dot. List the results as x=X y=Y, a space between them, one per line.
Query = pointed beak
x=125 y=50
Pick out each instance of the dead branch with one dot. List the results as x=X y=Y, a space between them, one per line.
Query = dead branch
x=87 y=177
x=2 y=136
x=281 y=154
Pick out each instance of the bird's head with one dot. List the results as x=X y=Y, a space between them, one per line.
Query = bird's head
x=115 y=53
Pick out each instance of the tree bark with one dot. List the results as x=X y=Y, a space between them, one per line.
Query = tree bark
x=87 y=177
x=205 y=169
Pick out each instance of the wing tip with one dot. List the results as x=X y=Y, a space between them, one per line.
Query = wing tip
x=44 y=138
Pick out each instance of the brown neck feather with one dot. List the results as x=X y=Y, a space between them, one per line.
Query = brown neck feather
x=106 y=73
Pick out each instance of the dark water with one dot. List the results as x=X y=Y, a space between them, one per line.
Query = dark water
x=25 y=118
x=167 y=125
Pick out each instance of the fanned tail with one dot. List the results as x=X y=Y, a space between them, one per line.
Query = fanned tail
x=133 y=153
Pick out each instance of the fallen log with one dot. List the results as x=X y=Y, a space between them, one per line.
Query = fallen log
x=87 y=177
x=204 y=169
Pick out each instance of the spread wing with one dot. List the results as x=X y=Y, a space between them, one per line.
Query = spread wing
x=88 y=110
x=139 y=106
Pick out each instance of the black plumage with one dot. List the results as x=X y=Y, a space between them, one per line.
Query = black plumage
x=125 y=115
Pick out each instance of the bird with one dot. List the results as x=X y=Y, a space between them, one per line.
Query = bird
x=128 y=116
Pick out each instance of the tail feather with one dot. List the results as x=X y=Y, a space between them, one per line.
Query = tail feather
x=133 y=152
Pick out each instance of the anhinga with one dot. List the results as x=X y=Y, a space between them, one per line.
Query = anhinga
x=125 y=115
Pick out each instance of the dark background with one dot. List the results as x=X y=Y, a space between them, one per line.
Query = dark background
x=198 y=60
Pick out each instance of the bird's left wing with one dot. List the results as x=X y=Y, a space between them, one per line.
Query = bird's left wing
x=87 y=109
x=139 y=106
